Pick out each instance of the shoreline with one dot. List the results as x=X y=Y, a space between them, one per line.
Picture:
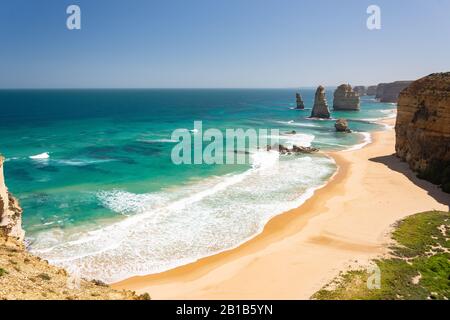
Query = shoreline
x=299 y=251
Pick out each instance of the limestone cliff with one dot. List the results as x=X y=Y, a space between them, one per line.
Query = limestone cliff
x=371 y=90
x=299 y=100
x=345 y=98
x=391 y=91
x=360 y=90
x=423 y=128
x=10 y=211
x=380 y=90
x=320 y=108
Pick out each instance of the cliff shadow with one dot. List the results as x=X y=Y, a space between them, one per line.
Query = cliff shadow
x=395 y=164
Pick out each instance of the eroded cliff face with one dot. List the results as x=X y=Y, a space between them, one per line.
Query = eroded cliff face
x=10 y=211
x=423 y=127
x=345 y=98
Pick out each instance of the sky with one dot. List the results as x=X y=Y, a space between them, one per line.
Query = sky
x=220 y=43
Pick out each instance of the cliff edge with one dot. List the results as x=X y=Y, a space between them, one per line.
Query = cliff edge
x=423 y=128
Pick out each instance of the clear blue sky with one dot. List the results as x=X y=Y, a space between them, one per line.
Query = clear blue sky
x=220 y=43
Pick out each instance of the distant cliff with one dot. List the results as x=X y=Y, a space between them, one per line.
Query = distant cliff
x=24 y=276
x=371 y=90
x=423 y=128
x=391 y=91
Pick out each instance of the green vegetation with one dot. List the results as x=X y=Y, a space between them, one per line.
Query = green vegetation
x=44 y=276
x=419 y=266
x=438 y=173
x=3 y=272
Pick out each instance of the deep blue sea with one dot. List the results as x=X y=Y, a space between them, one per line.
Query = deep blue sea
x=101 y=196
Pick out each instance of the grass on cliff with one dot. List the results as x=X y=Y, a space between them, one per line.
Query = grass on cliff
x=419 y=266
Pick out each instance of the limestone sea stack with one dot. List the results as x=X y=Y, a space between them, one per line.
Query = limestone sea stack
x=371 y=90
x=10 y=211
x=300 y=103
x=341 y=125
x=423 y=128
x=345 y=98
x=360 y=90
x=320 y=108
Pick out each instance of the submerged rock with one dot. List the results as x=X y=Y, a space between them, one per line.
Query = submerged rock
x=300 y=103
x=320 y=108
x=341 y=125
x=345 y=98
x=295 y=149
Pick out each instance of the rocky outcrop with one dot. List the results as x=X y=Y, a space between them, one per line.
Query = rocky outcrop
x=320 y=108
x=345 y=98
x=341 y=125
x=423 y=128
x=294 y=150
x=299 y=100
x=360 y=90
x=371 y=90
x=10 y=211
x=391 y=91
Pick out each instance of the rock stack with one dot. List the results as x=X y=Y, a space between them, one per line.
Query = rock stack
x=423 y=128
x=341 y=125
x=10 y=211
x=320 y=108
x=345 y=98
x=360 y=90
x=300 y=103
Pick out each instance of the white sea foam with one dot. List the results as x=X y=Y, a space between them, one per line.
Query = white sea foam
x=158 y=140
x=40 y=156
x=298 y=124
x=80 y=162
x=173 y=227
x=367 y=138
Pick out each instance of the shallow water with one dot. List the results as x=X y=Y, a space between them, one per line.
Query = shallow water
x=92 y=170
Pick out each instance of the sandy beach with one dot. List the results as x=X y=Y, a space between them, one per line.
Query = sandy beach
x=345 y=223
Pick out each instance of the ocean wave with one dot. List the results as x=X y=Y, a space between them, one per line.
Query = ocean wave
x=367 y=138
x=173 y=227
x=298 y=124
x=158 y=140
x=41 y=156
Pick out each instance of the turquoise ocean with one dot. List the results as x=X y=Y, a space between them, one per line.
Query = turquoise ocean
x=93 y=172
